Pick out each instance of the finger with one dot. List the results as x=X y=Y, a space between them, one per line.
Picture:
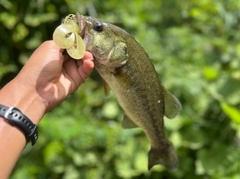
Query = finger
x=87 y=66
x=87 y=56
x=71 y=73
x=78 y=70
x=85 y=69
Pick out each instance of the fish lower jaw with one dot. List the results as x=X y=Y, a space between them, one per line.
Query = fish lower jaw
x=79 y=19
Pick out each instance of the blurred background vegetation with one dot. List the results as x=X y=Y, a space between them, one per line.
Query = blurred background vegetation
x=195 y=47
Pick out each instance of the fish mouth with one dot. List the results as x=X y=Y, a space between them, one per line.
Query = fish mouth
x=79 y=19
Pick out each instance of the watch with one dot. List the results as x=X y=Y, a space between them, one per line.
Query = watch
x=16 y=118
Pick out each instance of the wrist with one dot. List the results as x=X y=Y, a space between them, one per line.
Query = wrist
x=25 y=98
x=16 y=118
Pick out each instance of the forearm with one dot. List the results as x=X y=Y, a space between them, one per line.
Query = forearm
x=12 y=139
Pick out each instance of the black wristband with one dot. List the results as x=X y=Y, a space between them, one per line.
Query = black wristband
x=18 y=119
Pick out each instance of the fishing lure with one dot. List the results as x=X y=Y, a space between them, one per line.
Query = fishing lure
x=66 y=36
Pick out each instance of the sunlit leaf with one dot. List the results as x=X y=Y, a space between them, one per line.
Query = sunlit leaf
x=232 y=112
x=6 y=4
x=20 y=32
x=9 y=20
x=210 y=73
x=111 y=109
x=51 y=153
x=36 y=19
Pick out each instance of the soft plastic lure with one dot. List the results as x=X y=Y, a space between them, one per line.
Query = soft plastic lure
x=66 y=36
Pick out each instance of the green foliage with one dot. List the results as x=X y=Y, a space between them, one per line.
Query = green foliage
x=195 y=47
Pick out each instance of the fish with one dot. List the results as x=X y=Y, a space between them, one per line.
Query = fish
x=127 y=70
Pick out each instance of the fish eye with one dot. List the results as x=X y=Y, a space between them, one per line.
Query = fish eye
x=98 y=27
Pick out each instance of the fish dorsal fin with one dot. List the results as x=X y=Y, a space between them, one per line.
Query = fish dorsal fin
x=128 y=123
x=106 y=88
x=172 y=105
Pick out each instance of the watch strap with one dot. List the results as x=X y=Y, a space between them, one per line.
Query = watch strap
x=18 y=119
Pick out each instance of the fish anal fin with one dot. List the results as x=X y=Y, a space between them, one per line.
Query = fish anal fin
x=128 y=123
x=172 y=105
x=106 y=88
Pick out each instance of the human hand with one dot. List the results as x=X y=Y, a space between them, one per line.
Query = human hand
x=46 y=80
x=52 y=75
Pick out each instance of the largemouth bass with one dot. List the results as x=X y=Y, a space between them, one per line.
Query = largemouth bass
x=127 y=70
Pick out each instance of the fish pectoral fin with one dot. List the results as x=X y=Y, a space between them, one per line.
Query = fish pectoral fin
x=172 y=105
x=128 y=123
x=106 y=88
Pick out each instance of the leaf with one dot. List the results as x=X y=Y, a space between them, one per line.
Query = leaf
x=193 y=136
x=9 y=20
x=6 y=69
x=209 y=160
x=21 y=31
x=51 y=153
x=232 y=112
x=210 y=73
x=35 y=20
x=111 y=109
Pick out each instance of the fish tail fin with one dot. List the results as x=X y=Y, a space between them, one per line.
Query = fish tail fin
x=165 y=156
